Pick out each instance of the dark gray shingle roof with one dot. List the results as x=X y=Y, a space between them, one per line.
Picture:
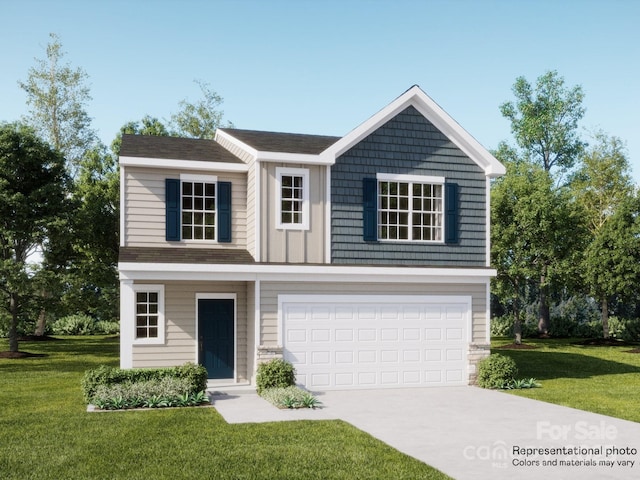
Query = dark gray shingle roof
x=282 y=142
x=184 y=255
x=152 y=146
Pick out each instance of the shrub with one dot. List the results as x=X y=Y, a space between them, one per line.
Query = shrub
x=290 y=397
x=496 y=370
x=105 y=327
x=275 y=373
x=78 y=324
x=194 y=375
x=624 y=329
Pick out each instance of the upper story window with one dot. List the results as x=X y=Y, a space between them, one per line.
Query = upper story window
x=292 y=198
x=412 y=208
x=198 y=208
x=149 y=314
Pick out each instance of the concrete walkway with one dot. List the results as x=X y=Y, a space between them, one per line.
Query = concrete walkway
x=471 y=433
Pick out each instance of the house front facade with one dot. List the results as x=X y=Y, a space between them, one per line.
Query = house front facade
x=363 y=259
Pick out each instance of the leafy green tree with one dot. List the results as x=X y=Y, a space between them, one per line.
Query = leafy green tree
x=603 y=186
x=544 y=121
x=91 y=279
x=58 y=95
x=33 y=202
x=612 y=260
x=534 y=229
x=199 y=119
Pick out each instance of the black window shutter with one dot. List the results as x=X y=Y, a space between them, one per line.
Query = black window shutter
x=224 y=212
x=451 y=213
x=370 y=209
x=172 y=206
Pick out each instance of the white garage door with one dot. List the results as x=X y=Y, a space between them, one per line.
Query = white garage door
x=376 y=341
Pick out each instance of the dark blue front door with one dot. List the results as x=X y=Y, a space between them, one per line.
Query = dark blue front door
x=216 y=336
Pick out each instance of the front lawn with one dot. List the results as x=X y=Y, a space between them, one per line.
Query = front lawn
x=46 y=433
x=600 y=379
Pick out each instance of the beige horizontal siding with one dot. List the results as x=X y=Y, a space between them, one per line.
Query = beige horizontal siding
x=145 y=208
x=180 y=317
x=270 y=290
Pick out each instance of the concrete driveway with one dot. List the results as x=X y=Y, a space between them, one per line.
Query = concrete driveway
x=471 y=433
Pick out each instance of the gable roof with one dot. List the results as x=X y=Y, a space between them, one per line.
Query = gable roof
x=153 y=146
x=282 y=142
x=431 y=111
x=177 y=152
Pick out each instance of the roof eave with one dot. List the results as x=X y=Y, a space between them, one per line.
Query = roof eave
x=417 y=98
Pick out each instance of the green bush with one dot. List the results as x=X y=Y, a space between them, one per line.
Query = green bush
x=496 y=370
x=74 y=325
x=194 y=375
x=290 y=397
x=624 y=329
x=155 y=393
x=275 y=373
x=105 y=327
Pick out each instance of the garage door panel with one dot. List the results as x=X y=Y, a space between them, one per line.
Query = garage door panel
x=373 y=343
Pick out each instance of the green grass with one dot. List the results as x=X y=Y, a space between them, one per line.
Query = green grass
x=600 y=379
x=46 y=433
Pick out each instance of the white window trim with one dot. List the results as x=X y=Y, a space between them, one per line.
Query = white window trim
x=429 y=179
x=189 y=177
x=159 y=289
x=304 y=173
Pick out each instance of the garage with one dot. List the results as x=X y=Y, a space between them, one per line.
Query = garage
x=367 y=341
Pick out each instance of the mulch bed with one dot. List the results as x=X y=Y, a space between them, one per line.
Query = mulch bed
x=605 y=342
x=20 y=355
x=517 y=346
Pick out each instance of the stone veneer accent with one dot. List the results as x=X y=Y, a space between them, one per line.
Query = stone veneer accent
x=477 y=351
x=266 y=353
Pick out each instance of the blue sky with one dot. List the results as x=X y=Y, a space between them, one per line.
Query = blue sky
x=324 y=67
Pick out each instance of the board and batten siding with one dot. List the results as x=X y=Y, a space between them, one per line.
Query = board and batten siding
x=144 y=205
x=407 y=144
x=269 y=292
x=293 y=246
x=180 y=334
x=251 y=190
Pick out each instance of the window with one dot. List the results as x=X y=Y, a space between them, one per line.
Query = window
x=198 y=210
x=292 y=198
x=410 y=208
x=149 y=317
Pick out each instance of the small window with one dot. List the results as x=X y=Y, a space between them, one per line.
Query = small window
x=410 y=208
x=149 y=318
x=292 y=198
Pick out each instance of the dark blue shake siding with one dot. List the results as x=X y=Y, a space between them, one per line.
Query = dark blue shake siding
x=407 y=144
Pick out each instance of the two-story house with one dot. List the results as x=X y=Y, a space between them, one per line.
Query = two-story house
x=363 y=259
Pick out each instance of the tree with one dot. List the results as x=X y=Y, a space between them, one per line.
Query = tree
x=200 y=119
x=57 y=95
x=91 y=277
x=33 y=201
x=534 y=230
x=601 y=187
x=612 y=260
x=544 y=122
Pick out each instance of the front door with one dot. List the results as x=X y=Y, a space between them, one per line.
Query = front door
x=216 y=336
